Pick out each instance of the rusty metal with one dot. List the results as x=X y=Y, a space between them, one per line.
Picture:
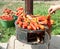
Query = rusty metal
x=29 y=6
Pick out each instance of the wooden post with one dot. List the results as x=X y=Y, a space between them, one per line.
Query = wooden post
x=29 y=6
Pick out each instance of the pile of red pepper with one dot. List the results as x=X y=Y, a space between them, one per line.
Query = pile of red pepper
x=20 y=10
x=32 y=22
x=7 y=15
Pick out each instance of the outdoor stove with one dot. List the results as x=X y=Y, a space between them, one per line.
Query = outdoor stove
x=34 y=37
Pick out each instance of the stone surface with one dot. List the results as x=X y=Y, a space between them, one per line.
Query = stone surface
x=15 y=44
x=3 y=45
x=11 y=43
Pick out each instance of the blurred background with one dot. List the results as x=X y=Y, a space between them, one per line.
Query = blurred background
x=40 y=8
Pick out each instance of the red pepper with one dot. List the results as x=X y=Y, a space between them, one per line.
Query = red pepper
x=33 y=27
